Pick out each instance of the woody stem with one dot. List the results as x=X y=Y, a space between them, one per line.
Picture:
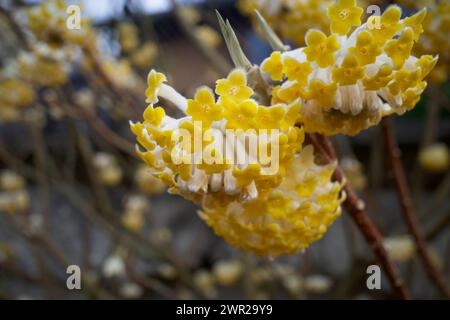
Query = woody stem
x=355 y=209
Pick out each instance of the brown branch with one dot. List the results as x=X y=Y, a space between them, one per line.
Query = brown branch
x=408 y=211
x=122 y=96
x=99 y=126
x=21 y=36
x=355 y=209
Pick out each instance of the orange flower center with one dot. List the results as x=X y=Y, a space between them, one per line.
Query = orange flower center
x=363 y=51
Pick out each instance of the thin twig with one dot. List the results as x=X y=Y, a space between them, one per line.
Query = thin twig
x=355 y=209
x=408 y=211
x=123 y=97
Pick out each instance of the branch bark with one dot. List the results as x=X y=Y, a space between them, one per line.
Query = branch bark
x=355 y=209
x=407 y=208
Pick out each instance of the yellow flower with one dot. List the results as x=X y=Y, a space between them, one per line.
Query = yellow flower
x=15 y=93
x=128 y=36
x=154 y=81
x=240 y=115
x=404 y=79
x=344 y=14
x=297 y=71
x=435 y=157
x=349 y=72
x=145 y=55
x=400 y=49
x=234 y=86
x=415 y=23
x=269 y=117
x=247 y=175
x=153 y=116
x=219 y=164
x=274 y=66
x=426 y=63
x=388 y=24
x=380 y=79
x=289 y=93
x=208 y=36
x=292 y=115
x=320 y=48
x=203 y=107
x=366 y=50
x=410 y=98
x=322 y=92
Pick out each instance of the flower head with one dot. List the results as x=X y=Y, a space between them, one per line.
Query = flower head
x=196 y=154
x=285 y=221
x=355 y=79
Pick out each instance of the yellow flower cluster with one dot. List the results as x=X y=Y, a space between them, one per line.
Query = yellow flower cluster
x=205 y=164
x=42 y=67
x=15 y=94
x=47 y=22
x=108 y=170
x=290 y=218
x=253 y=206
x=134 y=212
x=128 y=36
x=435 y=38
x=143 y=57
x=349 y=81
x=147 y=183
x=291 y=19
x=14 y=197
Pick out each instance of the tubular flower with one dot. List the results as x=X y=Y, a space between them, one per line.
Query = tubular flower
x=218 y=147
x=435 y=38
x=288 y=219
x=354 y=80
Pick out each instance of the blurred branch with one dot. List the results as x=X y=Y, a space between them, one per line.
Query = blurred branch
x=355 y=209
x=146 y=282
x=21 y=36
x=40 y=155
x=440 y=196
x=122 y=96
x=215 y=59
x=406 y=204
x=99 y=126
x=429 y=135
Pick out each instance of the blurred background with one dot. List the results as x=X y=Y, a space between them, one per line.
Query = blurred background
x=72 y=191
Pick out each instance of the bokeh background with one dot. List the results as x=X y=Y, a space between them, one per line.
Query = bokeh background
x=73 y=193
